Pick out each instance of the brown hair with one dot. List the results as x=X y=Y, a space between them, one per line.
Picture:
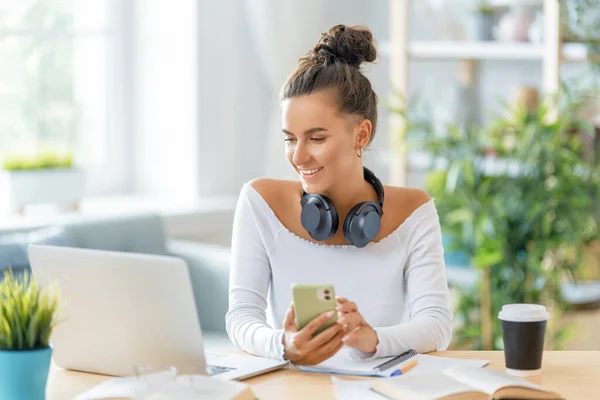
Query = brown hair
x=334 y=64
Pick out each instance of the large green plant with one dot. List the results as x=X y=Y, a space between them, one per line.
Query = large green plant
x=520 y=198
x=28 y=313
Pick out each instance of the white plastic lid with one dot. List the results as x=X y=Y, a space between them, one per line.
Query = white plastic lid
x=523 y=313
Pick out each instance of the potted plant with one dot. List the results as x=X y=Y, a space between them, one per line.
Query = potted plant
x=45 y=177
x=523 y=216
x=28 y=314
x=483 y=21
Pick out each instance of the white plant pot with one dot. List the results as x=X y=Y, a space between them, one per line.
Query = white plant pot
x=63 y=186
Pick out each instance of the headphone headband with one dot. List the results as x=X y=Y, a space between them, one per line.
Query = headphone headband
x=376 y=183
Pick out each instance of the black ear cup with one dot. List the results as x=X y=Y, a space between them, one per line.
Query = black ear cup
x=362 y=224
x=319 y=216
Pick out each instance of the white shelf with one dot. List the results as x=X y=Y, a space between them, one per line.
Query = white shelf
x=492 y=50
x=420 y=161
x=508 y=3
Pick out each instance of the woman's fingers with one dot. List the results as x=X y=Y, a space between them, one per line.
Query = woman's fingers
x=363 y=338
x=347 y=306
x=351 y=339
x=333 y=345
x=310 y=328
x=328 y=349
x=326 y=336
x=289 y=324
x=351 y=320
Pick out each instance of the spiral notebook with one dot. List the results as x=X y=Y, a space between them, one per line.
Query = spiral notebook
x=342 y=363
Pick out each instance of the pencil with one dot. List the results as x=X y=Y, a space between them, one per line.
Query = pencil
x=409 y=365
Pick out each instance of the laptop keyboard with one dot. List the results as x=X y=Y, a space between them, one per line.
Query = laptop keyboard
x=213 y=370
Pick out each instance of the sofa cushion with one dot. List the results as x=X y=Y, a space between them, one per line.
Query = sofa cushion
x=137 y=233
x=13 y=247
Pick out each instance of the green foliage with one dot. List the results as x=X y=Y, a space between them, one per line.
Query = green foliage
x=41 y=161
x=27 y=313
x=519 y=196
x=483 y=7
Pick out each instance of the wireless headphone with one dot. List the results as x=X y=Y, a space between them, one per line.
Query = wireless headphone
x=320 y=218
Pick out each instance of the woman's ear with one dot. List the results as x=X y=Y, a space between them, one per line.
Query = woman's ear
x=363 y=136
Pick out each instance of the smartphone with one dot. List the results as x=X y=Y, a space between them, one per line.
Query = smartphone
x=310 y=301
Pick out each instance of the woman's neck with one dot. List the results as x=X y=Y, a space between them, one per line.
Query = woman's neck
x=347 y=194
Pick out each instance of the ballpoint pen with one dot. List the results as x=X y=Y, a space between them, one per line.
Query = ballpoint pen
x=404 y=369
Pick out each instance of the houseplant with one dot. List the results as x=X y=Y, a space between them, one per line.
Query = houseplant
x=44 y=177
x=483 y=21
x=28 y=314
x=519 y=197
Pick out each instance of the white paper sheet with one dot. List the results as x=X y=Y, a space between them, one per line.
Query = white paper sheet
x=354 y=389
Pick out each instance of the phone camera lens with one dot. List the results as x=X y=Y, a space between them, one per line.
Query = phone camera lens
x=326 y=291
x=327 y=297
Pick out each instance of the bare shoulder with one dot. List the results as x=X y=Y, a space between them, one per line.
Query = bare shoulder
x=276 y=191
x=401 y=202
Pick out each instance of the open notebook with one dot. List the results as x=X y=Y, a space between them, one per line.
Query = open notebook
x=461 y=382
x=342 y=363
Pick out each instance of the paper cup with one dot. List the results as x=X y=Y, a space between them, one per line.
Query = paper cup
x=523 y=331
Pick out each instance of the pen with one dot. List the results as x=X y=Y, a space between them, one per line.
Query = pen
x=405 y=368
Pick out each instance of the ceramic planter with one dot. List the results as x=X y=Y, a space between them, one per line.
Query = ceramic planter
x=24 y=373
x=483 y=27
x=63 y=186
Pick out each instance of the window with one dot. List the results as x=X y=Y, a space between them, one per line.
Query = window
x=59 y=72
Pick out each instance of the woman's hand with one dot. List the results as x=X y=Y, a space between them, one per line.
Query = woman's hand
x=361 y=335
x=300 y=347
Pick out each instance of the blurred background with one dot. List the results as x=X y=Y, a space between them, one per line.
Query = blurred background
x=130 y=122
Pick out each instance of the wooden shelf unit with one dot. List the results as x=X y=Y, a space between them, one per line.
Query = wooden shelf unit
x=400 y=51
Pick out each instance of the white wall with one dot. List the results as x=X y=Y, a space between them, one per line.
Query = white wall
x=165 y=99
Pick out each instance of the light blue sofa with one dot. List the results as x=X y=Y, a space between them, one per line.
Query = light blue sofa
x=140 y=233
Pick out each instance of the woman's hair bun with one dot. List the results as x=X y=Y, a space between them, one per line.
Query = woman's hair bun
x=350 y=44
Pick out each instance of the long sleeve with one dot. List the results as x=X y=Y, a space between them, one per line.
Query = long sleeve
x=430 y=318
x=250 y=277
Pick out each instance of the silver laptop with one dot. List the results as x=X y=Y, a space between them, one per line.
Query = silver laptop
x=126 y=312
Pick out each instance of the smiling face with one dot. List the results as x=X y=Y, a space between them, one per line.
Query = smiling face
x=321 y=143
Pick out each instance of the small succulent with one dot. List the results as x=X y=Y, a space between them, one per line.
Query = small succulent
x=485 y=8
x=28 y=313
x=45 y=160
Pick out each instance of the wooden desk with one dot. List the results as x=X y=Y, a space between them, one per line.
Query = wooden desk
x=574 y=374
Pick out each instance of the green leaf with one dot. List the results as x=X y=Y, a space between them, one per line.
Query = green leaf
x=469 y=173
x=453 y=177
x=486 y=259
x=460 y=215
x=33 y=329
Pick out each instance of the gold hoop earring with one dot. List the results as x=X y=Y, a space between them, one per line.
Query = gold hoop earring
x=359 y=152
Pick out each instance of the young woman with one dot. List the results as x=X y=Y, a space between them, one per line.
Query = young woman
x=383 y=257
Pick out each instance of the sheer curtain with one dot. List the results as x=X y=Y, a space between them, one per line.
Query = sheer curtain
x=282 y=31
